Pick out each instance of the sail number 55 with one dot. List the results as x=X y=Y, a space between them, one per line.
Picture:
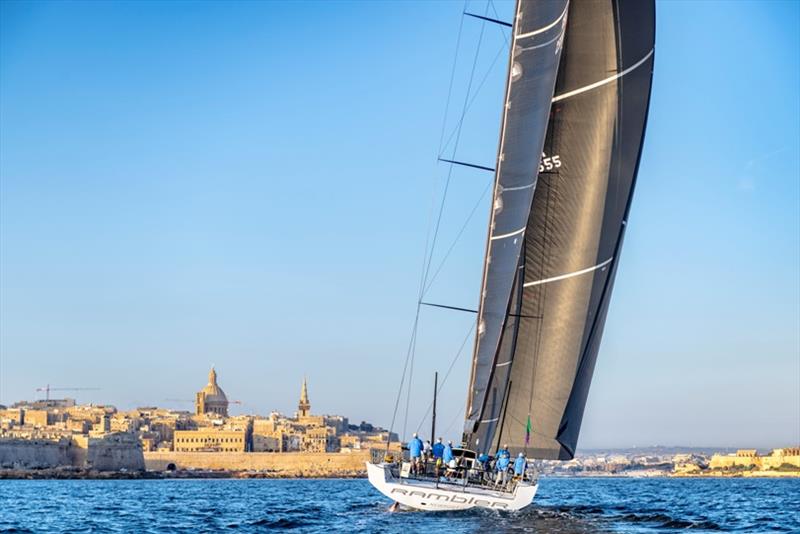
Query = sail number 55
x=549 y=163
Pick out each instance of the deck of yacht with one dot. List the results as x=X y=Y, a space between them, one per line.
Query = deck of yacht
x=461 y=479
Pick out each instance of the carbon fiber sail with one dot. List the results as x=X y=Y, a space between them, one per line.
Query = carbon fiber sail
x=534 y=360
x=533 y=65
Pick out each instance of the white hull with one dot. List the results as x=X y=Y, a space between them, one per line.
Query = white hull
x=428 y=495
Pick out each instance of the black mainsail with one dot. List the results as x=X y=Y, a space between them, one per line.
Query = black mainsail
x=558 y=217
x=530 y=83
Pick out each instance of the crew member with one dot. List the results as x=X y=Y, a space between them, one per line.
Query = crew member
x=501 y=465
x=503 y=451
x=415 y=451
x=438 y=449
x=484 y=461
x=426 y=456
x=447 y=454
x=519 y=465
x=449 y=460
x=438 y=452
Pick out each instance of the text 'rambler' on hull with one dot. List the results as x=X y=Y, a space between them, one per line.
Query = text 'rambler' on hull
x=433 y=496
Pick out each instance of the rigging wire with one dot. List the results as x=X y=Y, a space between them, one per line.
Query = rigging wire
x=456 y=418
x=449 y=370
x=452 y=77
x=411 y=342
x=442 y=205
x=430 y=244
x=458 y=236
x=410 y=375
x=497 y=55
x=455 y=145
x=483 y=80
x=501 y=28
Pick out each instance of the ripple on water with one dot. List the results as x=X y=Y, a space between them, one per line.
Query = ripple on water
x=563 y=506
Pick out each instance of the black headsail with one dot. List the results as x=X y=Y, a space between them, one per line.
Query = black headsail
x=555 y=315
x=537 y=35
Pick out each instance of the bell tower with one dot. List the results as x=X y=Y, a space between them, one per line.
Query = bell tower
x=304 y=406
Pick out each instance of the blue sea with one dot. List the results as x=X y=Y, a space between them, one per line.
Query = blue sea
x=563 y=505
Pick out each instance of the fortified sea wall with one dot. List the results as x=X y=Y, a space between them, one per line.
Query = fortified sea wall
x=34 y=454
x=111 y=452
x=277 y=464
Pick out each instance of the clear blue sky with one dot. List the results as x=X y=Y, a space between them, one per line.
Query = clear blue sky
x=248 y=185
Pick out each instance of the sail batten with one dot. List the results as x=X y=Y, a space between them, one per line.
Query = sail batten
x=545 y=295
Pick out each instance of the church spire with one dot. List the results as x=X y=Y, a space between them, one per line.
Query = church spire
x=304 y=406
x=212 y=376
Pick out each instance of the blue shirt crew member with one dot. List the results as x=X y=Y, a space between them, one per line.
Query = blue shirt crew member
x=447 y=455
x=503 y=452
x=415 y=446
x=519 y=465
x=502 y=463
x=438 y=449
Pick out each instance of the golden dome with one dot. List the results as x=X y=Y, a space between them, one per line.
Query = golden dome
x=213 y=393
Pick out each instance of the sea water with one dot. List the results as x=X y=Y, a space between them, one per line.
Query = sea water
x=563 y=505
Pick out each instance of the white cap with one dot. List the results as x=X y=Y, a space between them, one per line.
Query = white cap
x=521 y=455
x=415 y=435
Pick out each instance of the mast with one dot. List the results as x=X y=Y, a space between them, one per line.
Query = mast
x=433 y=415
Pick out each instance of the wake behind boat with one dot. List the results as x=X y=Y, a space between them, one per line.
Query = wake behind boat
x=574 y=114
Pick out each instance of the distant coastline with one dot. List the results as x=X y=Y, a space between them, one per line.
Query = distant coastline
x=744 y=463
x=211 y=474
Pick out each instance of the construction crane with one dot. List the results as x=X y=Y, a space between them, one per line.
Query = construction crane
x=185 y=401
x=47 y=389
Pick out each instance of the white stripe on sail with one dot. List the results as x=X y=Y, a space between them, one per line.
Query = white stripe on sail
x=545 y=28
x=503 y=364
x=517 y=188
x=605 y=81
x=503 y=236
x=569 y=275
x=551 y=41
x=490 y=420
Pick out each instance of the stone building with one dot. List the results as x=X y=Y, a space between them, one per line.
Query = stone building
x=742 y=459
x=782 y=458
x=210 y=440
x=37 y=418
x=211 y=399
x=267 y=436
x=749 y=459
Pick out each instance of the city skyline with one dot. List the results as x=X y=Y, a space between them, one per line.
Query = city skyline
x=249 y=188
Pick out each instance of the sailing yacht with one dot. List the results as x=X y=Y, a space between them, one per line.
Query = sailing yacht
x=573 y=121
